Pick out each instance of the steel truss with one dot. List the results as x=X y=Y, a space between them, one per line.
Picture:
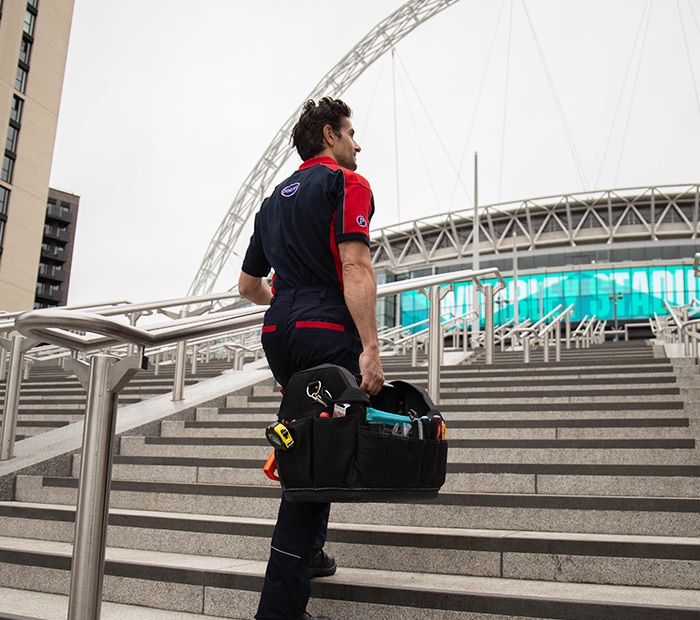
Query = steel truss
x=606 y=216
x=380 y=39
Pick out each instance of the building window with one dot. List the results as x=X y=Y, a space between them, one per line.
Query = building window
x=16 y=112
x=29 y=22
x=4 y=199
x=2 y=233
x=34 y=3
x=8 y=165
x=11 y=142
x=21 y=79
x=25 y=50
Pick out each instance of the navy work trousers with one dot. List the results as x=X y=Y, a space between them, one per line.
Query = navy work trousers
x=303 y=328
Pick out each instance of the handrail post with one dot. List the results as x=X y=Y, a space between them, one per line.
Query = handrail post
x=179 y=378
x=3 y=359
x=488 y=323
x=435 y=294
x=18 y=346
x=9 y=416
x=526 y=348
x=107 y=377
x=180 y=364
x=557 y=343
x=195 y=352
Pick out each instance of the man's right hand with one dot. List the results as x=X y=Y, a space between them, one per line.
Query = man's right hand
x=372 y=373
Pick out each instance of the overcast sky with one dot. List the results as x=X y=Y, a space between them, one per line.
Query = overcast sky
x=169 y=104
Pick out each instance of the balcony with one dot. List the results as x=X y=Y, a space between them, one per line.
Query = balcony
x=54 y=253
x=51 y=294
x=58 y=213
x=51 y=272
x=57 y=234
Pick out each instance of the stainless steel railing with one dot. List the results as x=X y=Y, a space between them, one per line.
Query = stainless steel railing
x=106 y=376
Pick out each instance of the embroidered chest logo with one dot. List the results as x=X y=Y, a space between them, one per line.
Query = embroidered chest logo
x=361 y=221
x=290 y=190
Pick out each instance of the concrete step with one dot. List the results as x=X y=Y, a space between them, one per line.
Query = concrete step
x=28 y=605
x=553 y=489
x=647 y=516
x=630 y=451
x=632 y=428
x=229 y=588
x=502 y=477
x=453 y=413
x=548 y=556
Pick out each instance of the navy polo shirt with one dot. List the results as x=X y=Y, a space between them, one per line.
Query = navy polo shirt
x=299 y=227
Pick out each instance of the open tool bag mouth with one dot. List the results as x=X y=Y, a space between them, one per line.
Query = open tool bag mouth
x=348 y=447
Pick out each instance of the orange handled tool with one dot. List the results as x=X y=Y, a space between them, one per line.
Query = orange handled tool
x=270 y=467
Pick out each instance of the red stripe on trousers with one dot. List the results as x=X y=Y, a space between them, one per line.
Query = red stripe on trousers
x=320 y=325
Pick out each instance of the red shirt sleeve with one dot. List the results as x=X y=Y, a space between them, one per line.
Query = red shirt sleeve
x=354 y=213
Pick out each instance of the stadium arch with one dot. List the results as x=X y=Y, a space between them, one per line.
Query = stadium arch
x=251 y=193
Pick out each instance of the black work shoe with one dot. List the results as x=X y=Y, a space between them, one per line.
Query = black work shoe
x=321 y=564
x=308 y=616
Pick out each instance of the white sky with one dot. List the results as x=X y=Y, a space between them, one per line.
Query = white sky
x=168 y=105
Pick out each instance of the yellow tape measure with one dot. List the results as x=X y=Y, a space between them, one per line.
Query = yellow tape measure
x=279 y=436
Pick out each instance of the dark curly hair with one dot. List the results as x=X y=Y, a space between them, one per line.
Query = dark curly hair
x=307 y=135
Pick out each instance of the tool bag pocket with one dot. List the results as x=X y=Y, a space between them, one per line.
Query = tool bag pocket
x=339 y=455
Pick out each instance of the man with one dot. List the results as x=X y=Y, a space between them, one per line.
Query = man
x=313 y=231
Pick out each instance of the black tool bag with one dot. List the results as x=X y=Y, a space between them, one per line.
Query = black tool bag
x=340 y=456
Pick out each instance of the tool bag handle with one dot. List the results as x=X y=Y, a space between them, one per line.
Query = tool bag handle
x=338 y=386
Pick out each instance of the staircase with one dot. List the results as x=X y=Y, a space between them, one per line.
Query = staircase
x=51 y=397
x=572 y=492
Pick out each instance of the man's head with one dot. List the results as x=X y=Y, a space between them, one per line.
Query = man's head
x=325 y=129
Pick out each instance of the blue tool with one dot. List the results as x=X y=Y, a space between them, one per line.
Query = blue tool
x=374 y=415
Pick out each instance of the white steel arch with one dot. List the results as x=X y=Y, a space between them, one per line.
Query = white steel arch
x=377 y=42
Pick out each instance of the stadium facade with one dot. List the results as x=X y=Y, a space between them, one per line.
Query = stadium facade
x=614 y=254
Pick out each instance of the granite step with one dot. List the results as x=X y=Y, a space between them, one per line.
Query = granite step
x=229 y=588
x=648 y=516
x=498 y=477
x=670 y=562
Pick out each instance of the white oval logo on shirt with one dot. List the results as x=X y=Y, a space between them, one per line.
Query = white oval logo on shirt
x=290 y=190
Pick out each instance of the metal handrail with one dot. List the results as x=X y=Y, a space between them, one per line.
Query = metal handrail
x=45 y=324
x=555 y=326
x=690 y=332
x=108 y=375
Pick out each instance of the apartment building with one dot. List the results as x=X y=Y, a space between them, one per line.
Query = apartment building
x=56 y=249
x=33 y=48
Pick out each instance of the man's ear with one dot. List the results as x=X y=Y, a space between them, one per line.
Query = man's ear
x=329 y=136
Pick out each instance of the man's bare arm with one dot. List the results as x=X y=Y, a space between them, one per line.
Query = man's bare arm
x=360 y=290
x=254 y=289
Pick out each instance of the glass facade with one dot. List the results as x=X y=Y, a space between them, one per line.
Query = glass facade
x=633 y=293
